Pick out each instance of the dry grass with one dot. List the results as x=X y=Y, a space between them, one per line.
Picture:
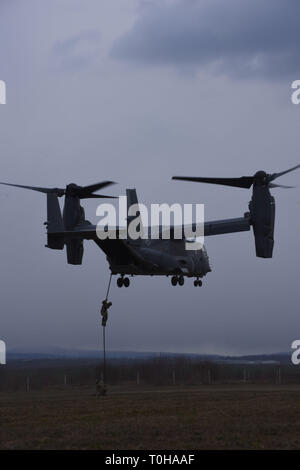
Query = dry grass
x=203 y=418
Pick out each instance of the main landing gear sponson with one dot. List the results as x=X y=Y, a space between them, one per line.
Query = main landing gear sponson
x=123 y=281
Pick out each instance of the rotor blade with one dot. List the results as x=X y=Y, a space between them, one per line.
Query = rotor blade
x=97 y=196
x=57 y=191
x=85 y=190
x=273 y=185
x=243 y=182
x=277 y=175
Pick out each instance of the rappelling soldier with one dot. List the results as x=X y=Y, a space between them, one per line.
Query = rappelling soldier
x=100 y=388
x=104 y=311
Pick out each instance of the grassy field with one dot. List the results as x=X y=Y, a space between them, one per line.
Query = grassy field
x=207 y=417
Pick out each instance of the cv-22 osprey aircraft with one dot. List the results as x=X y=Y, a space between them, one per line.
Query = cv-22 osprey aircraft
x=157 y=257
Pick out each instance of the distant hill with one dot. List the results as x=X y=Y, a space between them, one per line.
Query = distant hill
x=61 y=353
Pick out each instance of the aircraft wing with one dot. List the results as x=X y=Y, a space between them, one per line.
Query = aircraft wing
x=211 y=228
x=215 y=227
x=87 y=231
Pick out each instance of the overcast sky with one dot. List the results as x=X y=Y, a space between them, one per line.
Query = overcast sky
x=138 y=91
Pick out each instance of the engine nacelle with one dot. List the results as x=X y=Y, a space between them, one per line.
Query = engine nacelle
x=262 y=210
x=74 y=251
x=72 y=216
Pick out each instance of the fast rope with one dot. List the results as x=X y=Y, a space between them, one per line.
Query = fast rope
x=104 y=312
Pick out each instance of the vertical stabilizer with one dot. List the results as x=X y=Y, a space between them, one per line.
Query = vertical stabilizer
x=133 y=212
x=54 y=223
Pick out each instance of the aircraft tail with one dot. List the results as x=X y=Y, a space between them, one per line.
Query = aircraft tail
x=133 y=212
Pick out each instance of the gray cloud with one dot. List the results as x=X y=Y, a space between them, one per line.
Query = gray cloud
x=238 y=37
x=79 y=50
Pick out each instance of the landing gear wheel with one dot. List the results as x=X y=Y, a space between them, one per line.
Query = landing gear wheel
x=120 y=281
x=181 y=280
x=197 y=283
x=200 y=283
x=126 y=281
x=174 y=280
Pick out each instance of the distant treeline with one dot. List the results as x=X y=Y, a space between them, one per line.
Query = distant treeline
x=158 y=371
